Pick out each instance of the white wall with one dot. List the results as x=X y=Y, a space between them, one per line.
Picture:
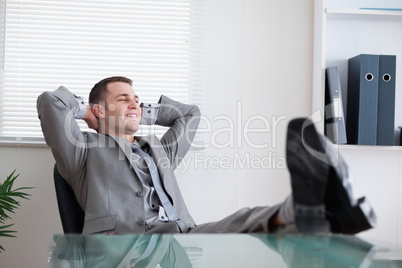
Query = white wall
x=260 y=62
x=259 y=68
x=377 y=175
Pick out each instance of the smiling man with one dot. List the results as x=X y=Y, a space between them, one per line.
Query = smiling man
x=126 y=184
x=116 y=106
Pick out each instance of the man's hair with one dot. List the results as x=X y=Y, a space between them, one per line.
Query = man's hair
x=99 y=91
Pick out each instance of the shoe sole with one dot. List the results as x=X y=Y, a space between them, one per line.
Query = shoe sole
x=347 y=213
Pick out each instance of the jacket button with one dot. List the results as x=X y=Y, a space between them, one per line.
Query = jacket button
x=141 y=222
x=140 y=193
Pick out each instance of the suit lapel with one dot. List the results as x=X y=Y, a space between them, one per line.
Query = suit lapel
x=158 y=155
x=126 y=152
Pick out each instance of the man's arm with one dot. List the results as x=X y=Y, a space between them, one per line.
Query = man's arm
x=182 y=120
x=57 y=111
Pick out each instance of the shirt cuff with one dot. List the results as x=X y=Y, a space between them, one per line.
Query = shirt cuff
x=81 y=110
x=149 y=113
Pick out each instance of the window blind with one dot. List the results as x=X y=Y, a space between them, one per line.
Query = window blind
x=46 y=43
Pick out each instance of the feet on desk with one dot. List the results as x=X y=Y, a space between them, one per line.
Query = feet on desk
x=323 y=193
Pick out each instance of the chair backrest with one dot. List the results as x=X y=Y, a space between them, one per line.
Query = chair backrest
x=71 y=214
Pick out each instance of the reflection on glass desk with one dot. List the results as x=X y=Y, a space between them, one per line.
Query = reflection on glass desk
x=220 y=250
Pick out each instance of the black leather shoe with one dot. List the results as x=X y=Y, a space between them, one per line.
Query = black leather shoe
x=316 y=165
x=347 y=213
x=308 y=176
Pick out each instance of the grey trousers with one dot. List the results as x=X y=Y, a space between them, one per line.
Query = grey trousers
x=246 y=220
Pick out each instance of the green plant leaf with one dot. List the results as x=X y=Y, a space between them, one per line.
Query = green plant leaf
x=8 y=203
x=5 y=232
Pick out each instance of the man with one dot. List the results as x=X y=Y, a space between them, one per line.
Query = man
x=121 y=190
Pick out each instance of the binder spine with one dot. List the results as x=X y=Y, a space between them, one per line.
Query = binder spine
x=362 y=109
x=386 y=100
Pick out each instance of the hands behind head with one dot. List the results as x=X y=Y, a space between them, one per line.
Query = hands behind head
x=91 y=119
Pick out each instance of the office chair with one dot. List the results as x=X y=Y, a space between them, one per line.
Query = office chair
x=71 y=214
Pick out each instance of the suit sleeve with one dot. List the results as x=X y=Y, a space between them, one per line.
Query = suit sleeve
x=182 y=120
x=56 y=111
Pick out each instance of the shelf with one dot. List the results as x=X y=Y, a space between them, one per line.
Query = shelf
x=369 y=14
x=342 y=33
x=368 y=147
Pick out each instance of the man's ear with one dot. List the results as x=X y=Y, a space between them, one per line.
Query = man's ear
x=99 y=111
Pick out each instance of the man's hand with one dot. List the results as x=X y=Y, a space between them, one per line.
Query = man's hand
x=91 y=119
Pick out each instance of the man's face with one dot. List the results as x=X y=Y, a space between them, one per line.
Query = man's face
x=123 y=113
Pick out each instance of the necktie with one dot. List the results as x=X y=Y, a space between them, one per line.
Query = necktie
x=156 y=180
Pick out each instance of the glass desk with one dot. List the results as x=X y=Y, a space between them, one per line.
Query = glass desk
x=220 y=250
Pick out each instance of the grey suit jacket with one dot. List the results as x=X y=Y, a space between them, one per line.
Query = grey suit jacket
x=99 y=167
